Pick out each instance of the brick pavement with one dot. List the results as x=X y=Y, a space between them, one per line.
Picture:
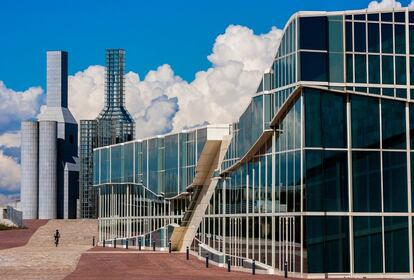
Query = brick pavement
x=40 y=259
x=119 y=263
x=19 y=237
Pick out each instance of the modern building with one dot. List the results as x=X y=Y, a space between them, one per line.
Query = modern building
x=317 y=175
x=113 y=125
x=49 y=151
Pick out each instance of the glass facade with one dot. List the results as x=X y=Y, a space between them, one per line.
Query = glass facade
x=318 y=172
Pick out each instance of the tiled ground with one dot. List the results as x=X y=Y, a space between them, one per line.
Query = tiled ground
x=40 y=259
x=118 y=263
x=19 y=237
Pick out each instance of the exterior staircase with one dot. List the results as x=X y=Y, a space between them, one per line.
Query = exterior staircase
x=203 y=187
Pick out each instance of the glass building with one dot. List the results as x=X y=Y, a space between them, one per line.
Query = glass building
x=317 y=174
x=113 y=125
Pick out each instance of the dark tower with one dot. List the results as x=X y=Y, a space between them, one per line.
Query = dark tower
x=113 y=125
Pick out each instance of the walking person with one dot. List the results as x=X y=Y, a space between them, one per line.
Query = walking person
x=57 y=236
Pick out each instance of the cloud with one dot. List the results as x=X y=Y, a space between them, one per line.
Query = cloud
x=164 y=102
x=9 y=174
x=10 y=140
x=160 y=102
x=384 y=4
x=16 y=106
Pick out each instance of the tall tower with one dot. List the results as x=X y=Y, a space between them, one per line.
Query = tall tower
x=113 y=125
x=55 y=136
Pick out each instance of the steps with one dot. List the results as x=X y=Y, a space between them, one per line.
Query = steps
x=204 y=185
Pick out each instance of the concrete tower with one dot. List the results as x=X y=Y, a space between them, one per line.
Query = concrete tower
x=47 y=170
x=30 y=170
x=56 y=179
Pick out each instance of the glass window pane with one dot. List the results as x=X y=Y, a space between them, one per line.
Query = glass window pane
x=328 y=244
x=399 y=17
x=400 y=39
x=393 y=124
x=326 y=181
x=348 y=34
x=350 y=69
x=325 y=119
x=373 y=37
x=365 y=126
x=368 y=244
x=386 y=17
x=374 y=69
x=396 y=244
x=360 y=68
x=366 y=181
x=400 y=69
x=387 y=70
x=387 y=38
x=411 y=30
x=373 y=17
x=309 y=39
x=395 y=181
x=314 y=66
x=359 y=37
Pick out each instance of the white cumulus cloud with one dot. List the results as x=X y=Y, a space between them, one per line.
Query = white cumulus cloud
x=18 y=105
x=384 y=4
x=10 y=139
x=163 y=101
x=9 y=174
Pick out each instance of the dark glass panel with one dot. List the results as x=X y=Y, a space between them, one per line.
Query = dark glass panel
x=359 y=17
x=335 y=173
x=412 y=72
x=387 y=38
x=365 y=122
x=386 y=17
x=387 y=70
x=366 y=181
x=373 y=37
x=368 y=244
x=374 y=69
x=309 y=39
x=411 y=17
x=411 y=31
x=401 y=92
x=359 y=37
x=396 y=244
x=348 y=17
x=360 y=68
x=393 y=124
x=348 y=34
x=412 y=128
x=325 y=117
x=400 y=69
x=395 y=181
x=326 y=181
x=373 y=17
x=374 y=90
x=400 y=39
x=314 y=66
x=328 y=244
x=388 y=91
x=399 y=17
x=350 y=68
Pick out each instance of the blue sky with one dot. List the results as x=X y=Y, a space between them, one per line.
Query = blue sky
x=192 y=58
x=180 y=33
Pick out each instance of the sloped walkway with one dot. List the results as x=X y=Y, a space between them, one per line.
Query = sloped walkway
x=40 y=259
x=19 y=237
